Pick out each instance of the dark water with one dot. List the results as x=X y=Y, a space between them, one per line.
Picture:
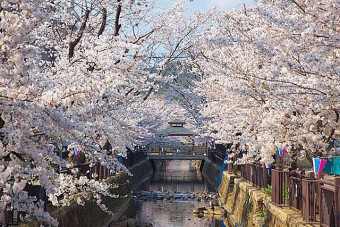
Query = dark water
x=177 y=177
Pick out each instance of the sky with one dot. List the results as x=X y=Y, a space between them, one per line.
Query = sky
x=225 y=5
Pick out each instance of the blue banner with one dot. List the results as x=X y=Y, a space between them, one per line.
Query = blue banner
x=222 y=223
x=219 y=179
x=316 y=165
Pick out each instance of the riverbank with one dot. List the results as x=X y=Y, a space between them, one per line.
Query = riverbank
x=247 y=205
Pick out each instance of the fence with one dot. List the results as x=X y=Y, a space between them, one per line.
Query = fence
x=256 y=174
x=231 y=167
x=280 y=187
x=309 y=199
x=329 y=202
x=318 y=200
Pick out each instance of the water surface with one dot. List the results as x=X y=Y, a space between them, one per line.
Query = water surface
x=177 y=177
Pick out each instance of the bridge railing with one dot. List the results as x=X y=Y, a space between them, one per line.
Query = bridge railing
x=188 y=150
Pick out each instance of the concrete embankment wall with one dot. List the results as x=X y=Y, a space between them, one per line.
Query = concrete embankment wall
x=91 y=215
x=210 y=171
x=248 y=206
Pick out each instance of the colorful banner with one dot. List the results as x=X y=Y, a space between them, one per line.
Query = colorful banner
x=280 y=151
x=283 y=151
x=332 y=166
x=318 y=165
x=77 y=150
x=322 y=165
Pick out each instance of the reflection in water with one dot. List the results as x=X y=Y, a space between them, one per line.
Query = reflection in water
x=173 y=176
x=174 y=214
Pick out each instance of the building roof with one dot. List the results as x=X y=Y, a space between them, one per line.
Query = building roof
x=177 y=122
x=176 y=131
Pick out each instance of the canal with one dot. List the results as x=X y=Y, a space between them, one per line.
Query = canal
x=167 y=199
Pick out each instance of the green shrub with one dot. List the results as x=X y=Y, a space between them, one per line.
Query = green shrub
x=267 y=191
x=285 y=193
x=260 y=213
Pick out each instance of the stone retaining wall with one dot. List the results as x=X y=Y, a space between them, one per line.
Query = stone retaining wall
x=248 y=206
x=226 y=186
x=210 y=171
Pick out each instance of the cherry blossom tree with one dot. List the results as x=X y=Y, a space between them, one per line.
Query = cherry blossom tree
x=271 y=72
x=78 y=71
x=99 y=71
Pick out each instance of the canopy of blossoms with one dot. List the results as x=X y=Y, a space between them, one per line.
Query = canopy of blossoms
x=271 y=72
x=100 y=71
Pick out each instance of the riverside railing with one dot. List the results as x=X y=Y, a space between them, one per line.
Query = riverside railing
x=309 y=197
x=318 y=200
x=280 y=187
x=256 y=174
x=231 y=167
x=10 y=217
x=329 y=202
x=96 y=171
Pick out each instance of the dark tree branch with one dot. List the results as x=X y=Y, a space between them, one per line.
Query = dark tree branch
x=147 y=35
x=8 y=156
x=117 y=25
x=128 y=92
x=298 y=6
x=245 y=9
x=148 y=94
x=74 y=43
x=103 y=24
x=337 y=114
x=2 y=122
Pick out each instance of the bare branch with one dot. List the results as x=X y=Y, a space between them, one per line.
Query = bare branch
x=103 y=24
x=2 y=122
x=74 y=43
x=129 y=91
x=148 y=94
x=337 y=114
x=117 y=25
x=298 y=6
x=245 y=9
